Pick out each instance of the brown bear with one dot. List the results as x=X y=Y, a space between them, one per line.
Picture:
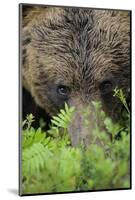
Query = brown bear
x=75 y=55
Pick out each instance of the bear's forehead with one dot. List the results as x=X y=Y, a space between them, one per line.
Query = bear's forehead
x=81 y=39
x=78 y=32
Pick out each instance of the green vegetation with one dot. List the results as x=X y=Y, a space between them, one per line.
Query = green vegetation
x=50 y=164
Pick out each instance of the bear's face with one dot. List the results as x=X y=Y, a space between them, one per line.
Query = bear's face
x=78 y=56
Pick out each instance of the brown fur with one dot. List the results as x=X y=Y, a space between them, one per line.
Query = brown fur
x=78 y=48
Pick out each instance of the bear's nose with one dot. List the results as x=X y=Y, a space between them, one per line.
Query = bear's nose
x=78 y=132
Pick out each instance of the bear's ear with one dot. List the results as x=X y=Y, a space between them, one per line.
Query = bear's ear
x=29 y=16
x=26 y=11
x=29 y=13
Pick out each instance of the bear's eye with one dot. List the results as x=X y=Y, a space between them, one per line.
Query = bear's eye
x=106 y=87
x=63 y=90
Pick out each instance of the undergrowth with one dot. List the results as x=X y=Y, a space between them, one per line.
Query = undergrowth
x=50 y=164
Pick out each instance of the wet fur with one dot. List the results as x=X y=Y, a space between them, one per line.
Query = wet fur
x=79 y=48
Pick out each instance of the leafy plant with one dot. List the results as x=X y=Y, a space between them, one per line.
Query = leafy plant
x=119 y=93
x=50 y=164
x=62 y=120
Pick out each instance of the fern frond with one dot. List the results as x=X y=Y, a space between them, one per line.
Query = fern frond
x=64 y=118
x=32 y=136
x=33 y=159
